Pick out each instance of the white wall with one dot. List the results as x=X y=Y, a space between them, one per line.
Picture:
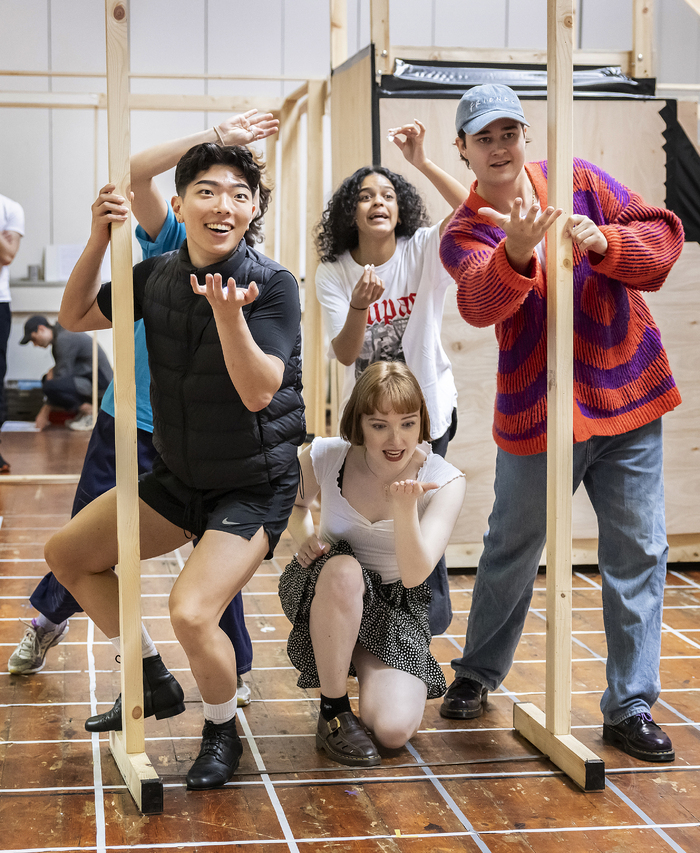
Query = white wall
x=48 y=156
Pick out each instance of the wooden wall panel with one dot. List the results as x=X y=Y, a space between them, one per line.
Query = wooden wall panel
x=351 y=111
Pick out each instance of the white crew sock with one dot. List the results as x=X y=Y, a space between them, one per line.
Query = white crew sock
x=222 y=713
x=148 y=648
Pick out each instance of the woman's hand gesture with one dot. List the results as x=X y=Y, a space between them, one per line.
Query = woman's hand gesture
x=311 y=549
x=367 y=290
x=411 y=146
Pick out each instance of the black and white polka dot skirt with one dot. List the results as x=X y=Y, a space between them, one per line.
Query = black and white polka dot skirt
x=394 y=624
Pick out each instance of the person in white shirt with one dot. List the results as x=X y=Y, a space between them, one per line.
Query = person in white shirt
x=11 y=232
x=382 y=289
x=356 y=591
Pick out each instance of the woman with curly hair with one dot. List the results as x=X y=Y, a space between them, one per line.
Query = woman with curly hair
x=382 y=289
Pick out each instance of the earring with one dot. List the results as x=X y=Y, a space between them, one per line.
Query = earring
x=467 y=162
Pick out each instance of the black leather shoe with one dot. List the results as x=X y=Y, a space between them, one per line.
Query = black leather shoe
x=344 y=740
x=218 y=757
x=162 y=696
x=464 y=700
x=640 y=737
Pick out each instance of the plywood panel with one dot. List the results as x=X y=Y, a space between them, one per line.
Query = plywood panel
x=351 y=111
x=601 y=135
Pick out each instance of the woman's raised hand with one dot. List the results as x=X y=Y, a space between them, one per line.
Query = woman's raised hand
x=411 y=146
x=367 y=290
x=408 y=491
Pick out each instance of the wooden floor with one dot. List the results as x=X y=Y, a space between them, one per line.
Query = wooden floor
x=458 y=786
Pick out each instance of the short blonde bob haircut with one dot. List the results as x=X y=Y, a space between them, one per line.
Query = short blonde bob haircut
x=384 y=386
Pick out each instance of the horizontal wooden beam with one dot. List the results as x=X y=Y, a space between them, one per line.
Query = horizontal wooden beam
x=683 y=548
x=576 y=760
x=509 y=55
x=12 y=72
x=176 y=103
x=38 y=479
x=144 y=784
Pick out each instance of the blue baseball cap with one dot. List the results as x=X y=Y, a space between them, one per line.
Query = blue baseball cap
x=481 y=105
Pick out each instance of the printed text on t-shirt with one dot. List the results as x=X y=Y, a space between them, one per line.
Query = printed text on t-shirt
x=387 y=310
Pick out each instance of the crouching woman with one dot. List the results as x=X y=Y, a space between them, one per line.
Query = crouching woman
x=356 y=591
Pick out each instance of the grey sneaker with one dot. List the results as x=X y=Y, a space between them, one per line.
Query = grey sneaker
x=30 y=654
x=242 y=693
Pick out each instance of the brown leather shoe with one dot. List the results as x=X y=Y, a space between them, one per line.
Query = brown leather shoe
x=640 y=737
x=464 y=699
x=344 y=740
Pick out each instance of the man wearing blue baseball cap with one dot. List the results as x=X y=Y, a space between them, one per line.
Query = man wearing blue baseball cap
x=494 y=248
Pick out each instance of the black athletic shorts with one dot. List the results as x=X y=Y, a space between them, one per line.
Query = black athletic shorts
x=239 y=511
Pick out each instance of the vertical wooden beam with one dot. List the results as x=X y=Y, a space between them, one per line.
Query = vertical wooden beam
x=380 y=36
x=560 y=362
x=314 y=364
x=551 y=732
x=271 y=180
x=288 y=187
x=642 y=64
x=127 y=746
x=339 y=32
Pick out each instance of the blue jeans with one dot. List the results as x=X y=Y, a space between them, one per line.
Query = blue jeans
x=623 y=476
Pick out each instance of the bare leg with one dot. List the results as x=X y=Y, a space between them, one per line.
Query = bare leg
x=391 y=701
x=336 y=614
x=218 y=568
x=82 y=553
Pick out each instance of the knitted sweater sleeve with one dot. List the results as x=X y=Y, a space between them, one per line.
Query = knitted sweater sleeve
x=643 y=241
x=472 y=251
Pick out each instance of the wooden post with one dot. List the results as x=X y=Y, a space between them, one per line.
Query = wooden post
x=315 y=375
x=642 y=64
x=288 y=186
x=271 y=180
x=380 y=36
x=551 y=733
x=339 y=32
x=128 y=745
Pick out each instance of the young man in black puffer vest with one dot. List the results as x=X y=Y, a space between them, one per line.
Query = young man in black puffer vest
x=224 y=344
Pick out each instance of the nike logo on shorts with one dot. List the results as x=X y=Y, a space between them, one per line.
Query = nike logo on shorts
x=229 y=523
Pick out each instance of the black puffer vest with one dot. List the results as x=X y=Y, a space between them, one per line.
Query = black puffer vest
x=201 y=429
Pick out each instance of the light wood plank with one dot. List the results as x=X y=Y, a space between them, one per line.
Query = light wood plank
x=380 y=36
x=314 y=364
x=339 y=32
x=128 y=750
x=351 y=116
x=642 y=38
x=560 y=364
x=579 y=763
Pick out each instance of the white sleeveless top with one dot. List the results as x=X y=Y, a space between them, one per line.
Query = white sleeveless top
x=372 y=542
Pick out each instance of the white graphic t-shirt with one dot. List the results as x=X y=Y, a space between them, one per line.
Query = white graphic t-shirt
x=403 y=324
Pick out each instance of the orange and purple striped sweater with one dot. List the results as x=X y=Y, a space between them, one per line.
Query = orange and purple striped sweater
x=622 y=377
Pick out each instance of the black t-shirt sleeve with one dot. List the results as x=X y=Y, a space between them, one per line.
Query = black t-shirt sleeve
x=275 y=317
x=140 y=273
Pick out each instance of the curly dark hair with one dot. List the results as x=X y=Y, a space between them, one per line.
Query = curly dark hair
x=337 y=232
